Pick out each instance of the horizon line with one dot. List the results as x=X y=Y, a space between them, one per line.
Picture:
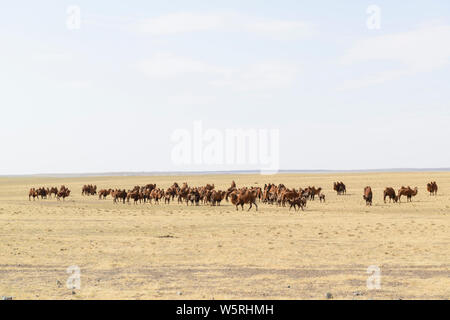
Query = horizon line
x=219 y=172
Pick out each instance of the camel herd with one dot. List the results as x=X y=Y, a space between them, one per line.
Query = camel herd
x=45 y=193
x=407 y=192
x=89 y=190
x=271 y=194
x=208 y=194
x=389 y=192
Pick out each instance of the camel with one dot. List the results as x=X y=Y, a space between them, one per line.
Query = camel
x=259 y=193
x=193 y=197
x=321 y=197
x=182 y=194
x=245 y=196
x=339 y=187
x=135 y=195
x=169 y=194
x=103 y=193
x=119 y=195
x=53 y=190
x=287 y=195
x=432 y=188
x=408 y=192
x=32 y=193
x=157 y=194
x=42 y=192
x=63 y=193
x=315 y=192
x=390 y=192
x=216 y=197
x=299 y=202
x=368 y=195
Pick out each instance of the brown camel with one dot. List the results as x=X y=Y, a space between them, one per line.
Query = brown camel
x=339 y=187
x=408 y=192
x=432 y=188
x=390 y=192
x=368 y=195
x=243 y=197
x=299 y=202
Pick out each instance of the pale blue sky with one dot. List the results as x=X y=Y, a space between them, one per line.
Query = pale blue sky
x=108 y=96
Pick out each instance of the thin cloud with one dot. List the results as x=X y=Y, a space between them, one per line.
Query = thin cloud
x=257 y=76
x=263 y=75
x=166 y=65
x=183 y=22
x=188 y=22
x=52 y=57
x=422 y=50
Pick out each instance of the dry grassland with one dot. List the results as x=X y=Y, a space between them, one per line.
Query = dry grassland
x=179 y=252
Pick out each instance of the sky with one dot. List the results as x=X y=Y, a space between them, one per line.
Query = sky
x=104 y=86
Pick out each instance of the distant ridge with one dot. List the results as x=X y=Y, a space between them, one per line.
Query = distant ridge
x=191 y=173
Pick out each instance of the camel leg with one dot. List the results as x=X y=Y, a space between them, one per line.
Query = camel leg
x=250 y=207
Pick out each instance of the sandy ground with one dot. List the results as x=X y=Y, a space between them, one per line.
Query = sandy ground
x=179 y=252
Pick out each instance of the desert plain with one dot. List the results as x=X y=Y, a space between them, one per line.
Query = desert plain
x=150 y=251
